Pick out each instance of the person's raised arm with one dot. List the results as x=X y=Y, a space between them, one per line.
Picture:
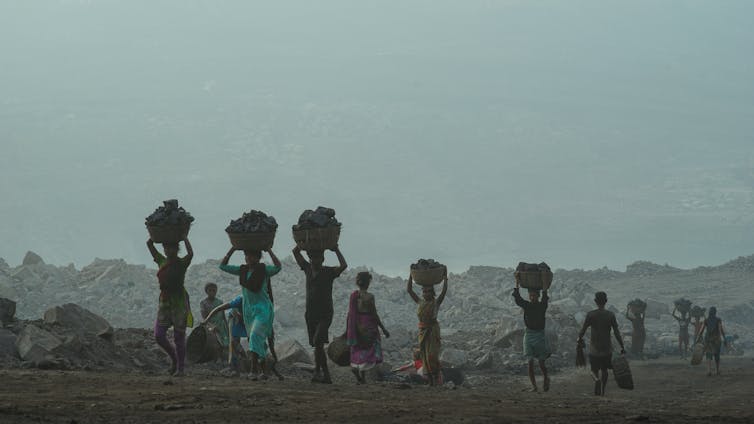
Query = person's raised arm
x=517 y=297
x=677 y=318
x=410 y=288
x=230 y=269
x=189 y=250
x=222 y=307
x=226 y=259
x=302 y=263
x=152 y=250
x=616 y=333
x=444 y=291
x=629 y=314
x=342 y=265
x=275 y=260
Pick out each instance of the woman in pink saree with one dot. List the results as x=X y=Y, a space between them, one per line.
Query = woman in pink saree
x=363 y=327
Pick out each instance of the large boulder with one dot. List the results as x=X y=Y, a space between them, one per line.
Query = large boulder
x=7 y=310
x=290 y=352
x=7 y=343
x=79 y=320
x=32 y=258
x=34 y=344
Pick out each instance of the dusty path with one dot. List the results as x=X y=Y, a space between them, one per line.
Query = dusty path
x=667 y=391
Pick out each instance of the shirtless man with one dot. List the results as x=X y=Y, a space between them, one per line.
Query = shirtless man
x=602 y=322
x=319 y=305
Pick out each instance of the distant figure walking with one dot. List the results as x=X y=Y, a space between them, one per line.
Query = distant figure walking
x=684 y=320
x=635 y=313
x=174 y=308
x=713 y=339
x=601 y=322
x=319 y=305
x=363 y=329
x=535 y=339
x=430 y=343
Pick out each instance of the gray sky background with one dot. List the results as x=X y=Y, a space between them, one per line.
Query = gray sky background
x=584 y=133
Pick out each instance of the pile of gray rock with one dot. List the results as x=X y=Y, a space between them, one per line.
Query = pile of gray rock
x=482 y=327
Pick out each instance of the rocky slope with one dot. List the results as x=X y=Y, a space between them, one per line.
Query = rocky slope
x=481 y=324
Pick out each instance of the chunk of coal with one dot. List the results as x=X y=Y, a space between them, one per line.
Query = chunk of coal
x=638 y=305
x=540 y=267
x=169 y=214
x=683 y=305
x=698 y=312
x=253 y=222
x=426 y=264
x=321 y=218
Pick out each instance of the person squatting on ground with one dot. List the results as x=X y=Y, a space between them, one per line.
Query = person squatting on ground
x=535 y=341
x=319 y=304
x=430 y=343
x=218 y=321
x=601 y=322
x=713 y=339
x=258 y=312
x=363 y=329
x=174 y=308
x=683 y=331
x=237 y=332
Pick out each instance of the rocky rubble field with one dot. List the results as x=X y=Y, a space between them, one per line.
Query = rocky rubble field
x=66 y=316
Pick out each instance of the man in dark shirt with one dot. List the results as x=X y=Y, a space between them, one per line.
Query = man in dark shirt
x=602 y=322
x=535 y=339
x=319 y=307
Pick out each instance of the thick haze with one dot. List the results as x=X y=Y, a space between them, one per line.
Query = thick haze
x=585 y=133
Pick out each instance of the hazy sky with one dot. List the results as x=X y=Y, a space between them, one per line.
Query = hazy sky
x=584 y=133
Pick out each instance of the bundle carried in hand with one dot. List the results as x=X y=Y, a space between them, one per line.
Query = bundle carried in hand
x=317 y=229
x=683 y=305
x=169 y=223
x=254 y=230
x=533 y=276
x=638 y=306
x=580 y=357
x=427 y=272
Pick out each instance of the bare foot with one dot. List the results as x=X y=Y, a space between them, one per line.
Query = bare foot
x=546 y=384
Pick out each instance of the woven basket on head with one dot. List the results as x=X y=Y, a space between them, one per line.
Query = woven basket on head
x=252 y=241
x=317 y=238
x=428 y=277
x=535 y=280
x=168 y=233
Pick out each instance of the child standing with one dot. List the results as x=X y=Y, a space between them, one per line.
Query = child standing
x=218 y=321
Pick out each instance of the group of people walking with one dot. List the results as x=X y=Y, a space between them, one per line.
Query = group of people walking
x=253 y=312
x=252 y=315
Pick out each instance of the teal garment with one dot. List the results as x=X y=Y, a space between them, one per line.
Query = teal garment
x=536 y=345
x=258 y=311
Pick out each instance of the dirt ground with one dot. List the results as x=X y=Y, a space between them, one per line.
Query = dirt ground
x=667 y=390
